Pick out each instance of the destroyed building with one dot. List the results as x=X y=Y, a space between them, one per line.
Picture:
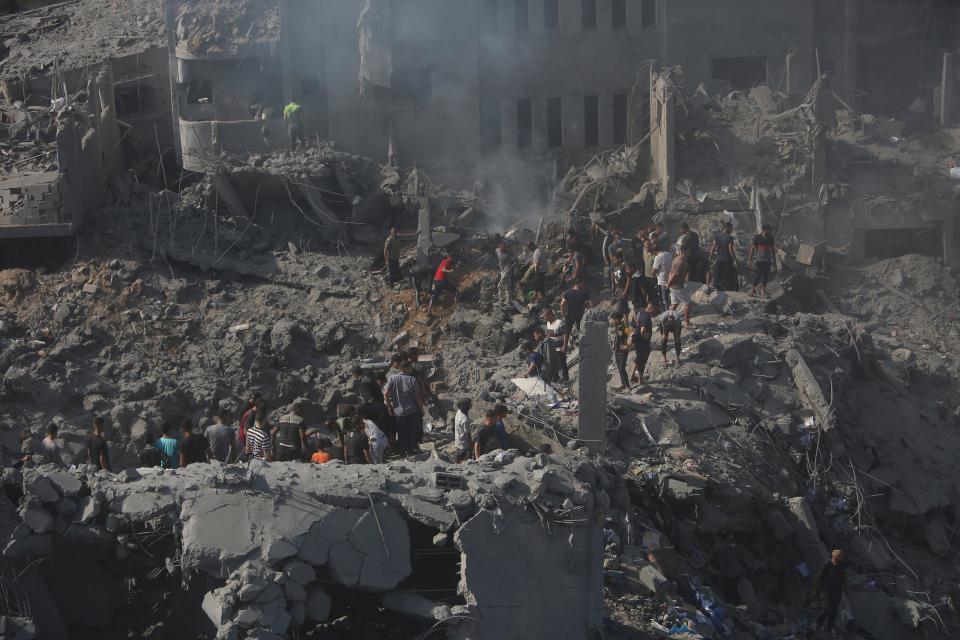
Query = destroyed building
x=213 y=263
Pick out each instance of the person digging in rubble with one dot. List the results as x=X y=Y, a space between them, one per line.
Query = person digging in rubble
x=356 y=444
x=291 y=116
x=622 y=341
x=442 y=281
x=322 y=454
x=221 y=437
x=763 y=249
x=677 y=283
x=505 y=264
x=487 y=435
x=193 y=446
x=258 y=439
x=724 y=276
x=462 y=431
x=169 y=446
x=49 y=449
x=406 y=403
x=391 y=253
x=662 y=266
x=573 y=304
x=532 y=358
x=98 y=453
x=669 y=323
x=830 y=584
x=289 y=438
x=558 y=340
x=642 y=335
x=542 y=346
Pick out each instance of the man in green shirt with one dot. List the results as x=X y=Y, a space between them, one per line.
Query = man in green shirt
x=291 y=116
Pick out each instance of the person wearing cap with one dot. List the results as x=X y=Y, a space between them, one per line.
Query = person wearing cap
x=289 y=438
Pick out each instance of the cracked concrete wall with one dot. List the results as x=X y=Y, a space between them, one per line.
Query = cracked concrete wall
x=275 y=536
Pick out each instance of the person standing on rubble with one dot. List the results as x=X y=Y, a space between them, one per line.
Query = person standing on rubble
x=724 y=276
x=558 y=340
x=49 y=449
x=169 y=447
x=662 y=267
x=830 y=584
x=573 y=304
x=642 y=335
x=575 y=268
x=442 y=281
x=98 y=454
x=246 y=420
x=258 y=439
x=193 y=446
x=462 y=432
x=392 y=251
x=669 y=323
x=291 y=116
x=487 y=435
x=537 y=268
x=678 y=286
x=763 y=249
x=289 y=438
x=405 y=401
x=505 y=264
x=621 y=348
x=220 y=437
x=690 y=242
x=356 y=444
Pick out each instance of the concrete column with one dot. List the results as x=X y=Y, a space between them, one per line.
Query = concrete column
x=791 y=70
x=946 y=89
x=425 y=240
x=592 y=380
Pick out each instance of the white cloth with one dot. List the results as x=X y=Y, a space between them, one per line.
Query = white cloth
x=461 y=430
x=663 y=264
x=378 y=441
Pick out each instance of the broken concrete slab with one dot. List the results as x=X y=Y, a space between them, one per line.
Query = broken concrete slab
x=412 y=604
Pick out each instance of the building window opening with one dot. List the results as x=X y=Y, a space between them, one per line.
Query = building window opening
x=591 y=121
x=619 y=17
x=554 y=123
x=200 y=92
x=132 y=98
x=551 y=14
x=741 y=73
x=524 y=123
x=521 y=16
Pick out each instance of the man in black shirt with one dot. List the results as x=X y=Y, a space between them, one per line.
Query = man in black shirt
x=193 y=446
x=642 y=333
x=830 y=583
x=356 y=445
x=289 y=438
x=97 y=446
x=573 y=304
x=486 y=438
x=690 y=244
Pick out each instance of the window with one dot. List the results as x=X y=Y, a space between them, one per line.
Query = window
x=491 y=16
x=589 y=14
x=521 y=16
x=524 y=123
x=554 y=123
x=492 y=125
x=742 y=73
x=619 y=20
x=619 y=118
x=551 y=14
x=648 y=13
x=200 y=92
x=591 y=121
x=132 y=98
x=310 y=87
x=411 y=84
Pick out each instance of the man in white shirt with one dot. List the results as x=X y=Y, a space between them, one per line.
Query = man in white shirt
x=662 y=266
x=558 y=337
x=462 y=433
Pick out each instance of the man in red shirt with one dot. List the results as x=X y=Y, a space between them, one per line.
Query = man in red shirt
x=442 y=281
x=246 y=420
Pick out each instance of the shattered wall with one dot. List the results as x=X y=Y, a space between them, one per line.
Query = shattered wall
x=276 y=545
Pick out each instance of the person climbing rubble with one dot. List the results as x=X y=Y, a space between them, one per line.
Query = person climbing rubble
x=291 y=116
x=723 y=252
x=442 y=282
x=622 y=342
x=763 y=249
x=830 y=583
x=669 y=324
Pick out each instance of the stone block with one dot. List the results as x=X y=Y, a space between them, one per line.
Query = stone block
x=317 y=605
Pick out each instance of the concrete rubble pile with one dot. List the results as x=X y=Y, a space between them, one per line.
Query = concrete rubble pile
x=208 y=27
x=272 y=546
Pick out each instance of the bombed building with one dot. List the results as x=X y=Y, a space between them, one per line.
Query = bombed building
x=470 y=319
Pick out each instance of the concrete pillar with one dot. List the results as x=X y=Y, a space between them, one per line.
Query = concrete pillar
x=592 y=383
x=946 y=89
x=425 y=240
x=790 y=70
